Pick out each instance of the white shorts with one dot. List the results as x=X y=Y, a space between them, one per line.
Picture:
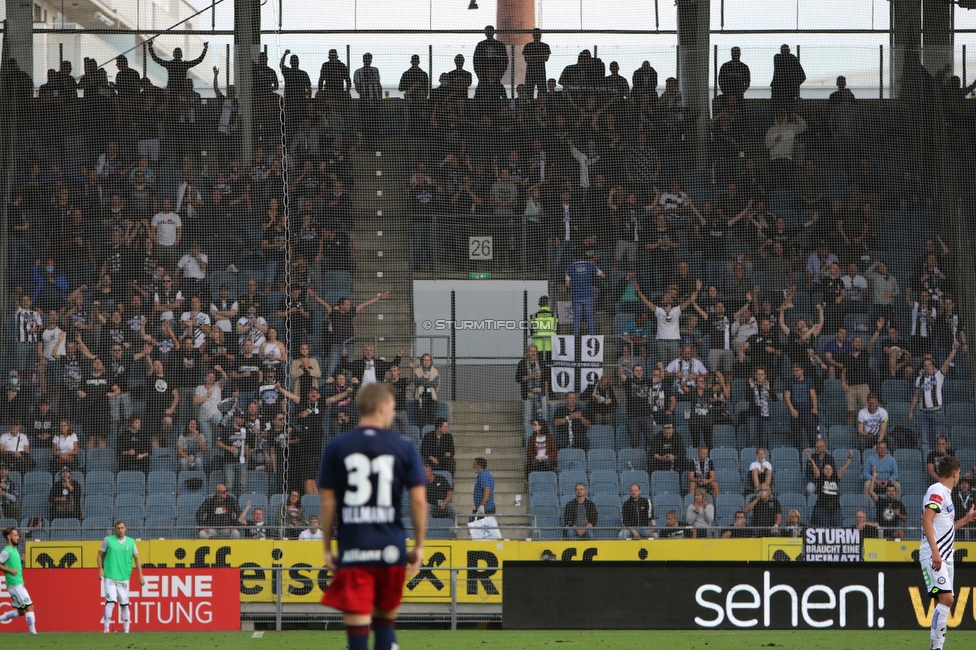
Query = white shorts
x=116 y=591
x=19 y=596
x=937 y=582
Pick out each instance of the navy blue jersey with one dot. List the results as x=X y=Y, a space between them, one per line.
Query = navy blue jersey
x=369 y=470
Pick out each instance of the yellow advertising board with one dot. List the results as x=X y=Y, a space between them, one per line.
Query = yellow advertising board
x=304 y=582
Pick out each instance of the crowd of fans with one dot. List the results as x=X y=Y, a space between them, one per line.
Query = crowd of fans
x=167 y=294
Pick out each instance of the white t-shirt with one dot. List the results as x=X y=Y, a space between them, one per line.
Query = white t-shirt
x=209 y=408
x=309 y=536
x=762 y=466
x=668 y=323
x=681 y=369
x=51 y=348
x=939 y=498
x=14 y=442
x=165 y=225
x=854 y=286
x=65 y=444
x=223 y=323
x=191 y=266
x=872 y=421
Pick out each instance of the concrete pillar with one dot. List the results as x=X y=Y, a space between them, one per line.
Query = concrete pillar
x=936 y=34
x=906 y=30
x=693 y=61
x=247 y=42
x=18 y=39
x=515 y=15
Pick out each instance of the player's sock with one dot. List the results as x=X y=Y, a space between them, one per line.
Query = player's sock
x=109 y=608
x=6 y=616
x=29 y=616
x=358 y=636
x=939 y=620
x=125 y=618
x=384 y=632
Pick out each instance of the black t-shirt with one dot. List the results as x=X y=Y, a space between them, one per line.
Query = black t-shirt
x=637 y=391
x=858 y=368
x=248 y=384
x=160 y=394
x=828 y=494
x=764 y=512
x=887 y=510
x=96 y=390
x=757 y=348
x=436 y=491
x=662 y=446
x=800 y=351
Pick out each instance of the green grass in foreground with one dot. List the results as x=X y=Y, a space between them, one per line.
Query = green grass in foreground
x=513 y=640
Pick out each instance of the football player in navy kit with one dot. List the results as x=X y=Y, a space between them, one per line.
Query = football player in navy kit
x=362 y=477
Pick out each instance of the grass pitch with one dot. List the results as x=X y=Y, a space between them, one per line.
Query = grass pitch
x=510 y=640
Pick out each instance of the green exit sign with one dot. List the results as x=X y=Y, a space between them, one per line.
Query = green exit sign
x=479 y=276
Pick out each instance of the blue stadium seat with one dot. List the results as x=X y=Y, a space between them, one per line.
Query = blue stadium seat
x=129 y=482
x=959 y=414
x=163 y=459
x=963 y=437
x=542 y=483
x=100 y=460
x=257 y=481
x=787 y=480
x=665 y=482
x=572 y=459
x=187 y=505
x=95 y=529
x=37 y=482
x=843 y=436
x=568 y=480
x=895 y=390
x=723 y=436
x=785 y=458
x=726 y=505
x=601 y=437
x=312 y=504
x=100 y=483
x=130 y=502
x=604 y=482
x=850 y=503
x=632 y=459
x=629 y=477
x=161 y=504
x=608 y=514
x=665 y=502
x=193 y=480
x=621 y=437
x=601 y=459
x=64 y=530
x=729 y=482
x=161 y=482
x=440 y=528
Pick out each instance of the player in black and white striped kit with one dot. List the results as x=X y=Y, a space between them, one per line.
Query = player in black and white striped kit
x=935 y=553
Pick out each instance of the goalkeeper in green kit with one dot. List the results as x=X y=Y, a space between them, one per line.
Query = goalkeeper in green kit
x=13 y=571
x=114 y=568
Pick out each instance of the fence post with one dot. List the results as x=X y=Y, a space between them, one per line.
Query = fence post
x=277 y=579
x=881 y=71
x=454 y=612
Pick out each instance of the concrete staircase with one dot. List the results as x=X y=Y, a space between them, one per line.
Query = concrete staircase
x=382 y=240
x=382 y=247
x=477 y=428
